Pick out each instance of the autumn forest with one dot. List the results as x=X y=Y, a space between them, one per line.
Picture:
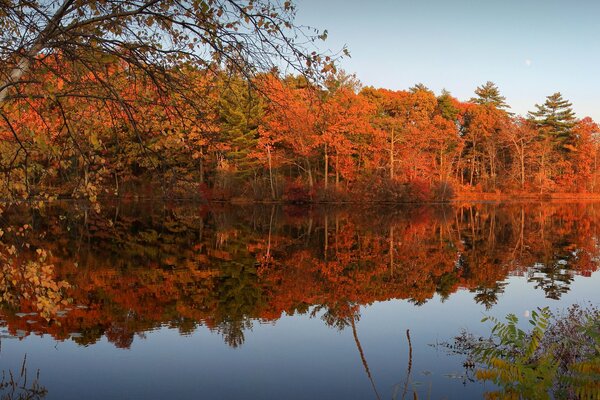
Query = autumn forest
x=275 y=137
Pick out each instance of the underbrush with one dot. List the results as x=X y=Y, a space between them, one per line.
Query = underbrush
x=558 y=358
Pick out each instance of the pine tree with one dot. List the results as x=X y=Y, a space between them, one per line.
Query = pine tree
x=420 y=87
x=558 y=119
x=446 y=106
x=240 y=110
x=341 y=80
x=490 y=94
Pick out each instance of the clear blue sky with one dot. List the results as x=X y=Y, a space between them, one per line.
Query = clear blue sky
x=529 y=48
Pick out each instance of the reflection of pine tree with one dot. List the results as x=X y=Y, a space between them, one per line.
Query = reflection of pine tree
x=446 y=285
x=240 y=298
x=488 y=295
x=552 y=278
x=233 y=331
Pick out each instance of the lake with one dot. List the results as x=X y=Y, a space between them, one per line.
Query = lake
x=141 y=300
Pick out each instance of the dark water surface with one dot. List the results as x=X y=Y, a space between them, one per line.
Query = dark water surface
x=157 y=301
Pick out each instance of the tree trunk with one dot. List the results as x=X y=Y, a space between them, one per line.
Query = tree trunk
x=392 y=155
x=472 y=170
x=326 y=167
x=201 y=168
x=24 y=62
x=441 y=164
x=309 y=172
x=543 y=171
x=16 y=74
x=337 y=170
x=492 y=154
x=522 y=167
x=273 y=196
x=595 y=171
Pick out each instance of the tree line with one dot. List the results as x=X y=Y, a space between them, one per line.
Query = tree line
x=230 y=99
x=282 y=137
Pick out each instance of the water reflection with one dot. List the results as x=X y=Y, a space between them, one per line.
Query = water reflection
x=73 y=273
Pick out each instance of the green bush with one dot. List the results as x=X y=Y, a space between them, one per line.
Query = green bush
x=559 y=358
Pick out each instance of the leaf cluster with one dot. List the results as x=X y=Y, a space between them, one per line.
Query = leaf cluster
x=531 y=365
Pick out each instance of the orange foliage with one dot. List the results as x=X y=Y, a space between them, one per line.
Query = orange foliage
x=276 y=138
x=223 y=268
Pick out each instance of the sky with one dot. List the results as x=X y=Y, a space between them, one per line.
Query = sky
x=529 y=48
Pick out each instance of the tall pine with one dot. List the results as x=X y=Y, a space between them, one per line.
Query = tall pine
x=489 y=94
x=557 y=119
x=240 y=110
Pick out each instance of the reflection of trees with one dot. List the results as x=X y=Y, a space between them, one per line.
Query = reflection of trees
x=239 y=297
x=29 y=284
x=488 y=295
x=553 y=279
x=139 y=266
x=339 y=315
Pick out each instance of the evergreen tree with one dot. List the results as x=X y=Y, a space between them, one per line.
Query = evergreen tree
x=490 y=94
x=446 y=106
x=557 y=117
x=240 y=110
x=296 y=81
x=340 y=80
x=420 y=87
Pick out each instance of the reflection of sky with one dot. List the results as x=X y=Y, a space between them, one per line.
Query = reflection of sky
x=294 y=358
x=530 y=48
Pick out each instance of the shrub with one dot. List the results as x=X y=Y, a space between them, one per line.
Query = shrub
x=297 y=192
x=442 y=191
x=558 y=358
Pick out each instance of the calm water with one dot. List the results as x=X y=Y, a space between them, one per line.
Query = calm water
x=148 y=301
